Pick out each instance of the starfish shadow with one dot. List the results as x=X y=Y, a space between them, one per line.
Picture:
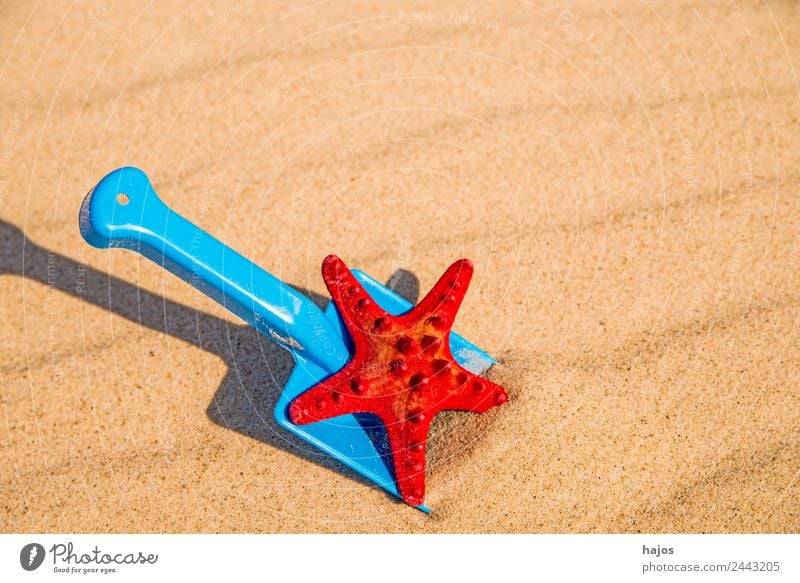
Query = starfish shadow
x=257 y=368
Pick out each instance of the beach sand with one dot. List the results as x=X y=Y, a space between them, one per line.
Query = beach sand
x=625 y=179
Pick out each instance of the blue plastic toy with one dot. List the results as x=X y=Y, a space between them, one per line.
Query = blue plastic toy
x=123 y=210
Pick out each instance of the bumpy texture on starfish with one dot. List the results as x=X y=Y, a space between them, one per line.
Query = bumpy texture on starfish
x=402 y=369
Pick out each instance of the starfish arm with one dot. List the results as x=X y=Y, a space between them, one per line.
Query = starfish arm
x=475 y=394
x=335 y=396
x=440 y=305
x=354 y=303
x=407 y=440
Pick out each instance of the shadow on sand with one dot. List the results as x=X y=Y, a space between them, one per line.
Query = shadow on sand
x=257 y=368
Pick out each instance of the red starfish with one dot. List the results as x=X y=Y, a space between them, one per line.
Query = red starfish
x=402 y=369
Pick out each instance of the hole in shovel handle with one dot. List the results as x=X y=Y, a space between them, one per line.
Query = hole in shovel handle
x=123 y=199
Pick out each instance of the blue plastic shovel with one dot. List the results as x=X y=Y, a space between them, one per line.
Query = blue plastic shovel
x=123 y=210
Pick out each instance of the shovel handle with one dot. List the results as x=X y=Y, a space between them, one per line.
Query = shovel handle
x=123 y=210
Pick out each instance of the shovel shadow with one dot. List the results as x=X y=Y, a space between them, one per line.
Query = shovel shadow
x=257 y=368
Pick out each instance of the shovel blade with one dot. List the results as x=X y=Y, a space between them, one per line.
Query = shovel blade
x=359 y=441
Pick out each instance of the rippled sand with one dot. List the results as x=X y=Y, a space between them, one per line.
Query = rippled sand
x=624 y=178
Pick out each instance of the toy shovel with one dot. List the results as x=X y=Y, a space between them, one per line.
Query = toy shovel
x=123 y=210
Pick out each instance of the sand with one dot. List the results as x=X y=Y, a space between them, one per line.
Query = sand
x=625 y=179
